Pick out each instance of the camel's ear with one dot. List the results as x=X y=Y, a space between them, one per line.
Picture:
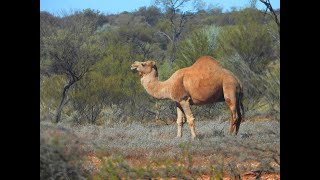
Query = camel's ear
x=153 y=63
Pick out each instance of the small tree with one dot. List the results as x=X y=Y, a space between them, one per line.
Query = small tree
x=177 y=19
x=273 y=15
x=110 y=84
x=72 y=52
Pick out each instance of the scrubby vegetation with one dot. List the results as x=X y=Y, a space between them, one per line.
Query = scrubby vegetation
x=102 y=110
x=145 y=150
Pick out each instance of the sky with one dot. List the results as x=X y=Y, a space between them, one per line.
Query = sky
x=118 y=6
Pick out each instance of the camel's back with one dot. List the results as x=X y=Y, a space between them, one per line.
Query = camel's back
x=205 y=78
x=206 y=63
x=206 y=67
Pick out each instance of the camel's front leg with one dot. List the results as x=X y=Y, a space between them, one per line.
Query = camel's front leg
x=180 y=116
x=187 y=111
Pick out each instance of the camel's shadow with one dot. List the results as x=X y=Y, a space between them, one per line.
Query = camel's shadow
x=214 y=133
x=222 y=134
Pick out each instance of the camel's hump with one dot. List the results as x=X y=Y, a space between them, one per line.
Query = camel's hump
x=206 y=61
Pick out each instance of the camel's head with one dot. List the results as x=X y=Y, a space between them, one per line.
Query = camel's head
x=144 y=68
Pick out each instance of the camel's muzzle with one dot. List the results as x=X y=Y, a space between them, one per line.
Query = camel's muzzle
x=133 y=67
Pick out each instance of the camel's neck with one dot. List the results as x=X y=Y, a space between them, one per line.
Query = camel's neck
x=154 y=87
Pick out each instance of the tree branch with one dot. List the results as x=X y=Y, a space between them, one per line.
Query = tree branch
x=275 y=17
x=162 y=33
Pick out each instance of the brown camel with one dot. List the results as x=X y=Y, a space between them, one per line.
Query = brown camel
x=202 y=83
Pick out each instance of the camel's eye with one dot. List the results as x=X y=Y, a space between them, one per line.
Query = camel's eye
x=143 y=64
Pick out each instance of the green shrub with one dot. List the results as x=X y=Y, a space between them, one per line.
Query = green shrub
x=198 y=43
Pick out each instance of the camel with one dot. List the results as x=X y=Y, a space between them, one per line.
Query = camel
x=206 y=81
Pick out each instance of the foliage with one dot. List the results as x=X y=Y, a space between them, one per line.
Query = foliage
x=249 y=39
x=109 y=83
x=50 y=92
x=53 y=164
x=96 y=50
x=77 y=19
x=177 y=20
x=272 y=84
x=151 y=13
x=60 y=154
x=71 y=52
x=199 y=43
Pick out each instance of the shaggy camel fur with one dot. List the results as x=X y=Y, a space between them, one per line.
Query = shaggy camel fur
x=202 y=83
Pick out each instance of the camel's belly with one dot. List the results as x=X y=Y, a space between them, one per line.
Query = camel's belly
x=206 y=96
x=199 y=102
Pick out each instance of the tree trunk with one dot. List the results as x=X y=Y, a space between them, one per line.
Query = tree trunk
x=63 y=100
x=173 y=53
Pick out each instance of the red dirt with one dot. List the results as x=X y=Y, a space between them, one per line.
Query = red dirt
x=96 y=163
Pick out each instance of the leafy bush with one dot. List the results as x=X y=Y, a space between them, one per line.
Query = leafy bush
x=249 y=38
x=110 y=82
x=199 y=43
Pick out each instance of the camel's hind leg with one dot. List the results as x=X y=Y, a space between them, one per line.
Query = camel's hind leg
x=187 y=111
x=231 y=102
x=180 y=117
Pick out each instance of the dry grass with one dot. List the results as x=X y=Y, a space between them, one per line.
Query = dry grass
x=152 y=150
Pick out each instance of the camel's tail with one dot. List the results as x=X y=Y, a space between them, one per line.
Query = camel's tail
x=240 y=104
x=239 y=109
